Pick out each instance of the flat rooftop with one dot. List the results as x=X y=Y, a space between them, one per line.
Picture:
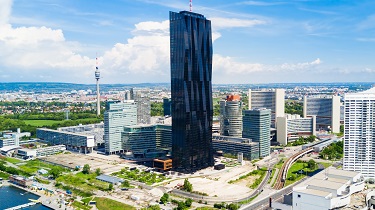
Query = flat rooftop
x=315 y=192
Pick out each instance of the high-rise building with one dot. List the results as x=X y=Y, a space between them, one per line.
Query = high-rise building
x=269 y=99
x=231 y=116
x=256 y=126
x=291 y=127
x=359 y=133
x=142 y=98
x=191 y=90
x=116 y=116
x=167 y=106
x=326 y=109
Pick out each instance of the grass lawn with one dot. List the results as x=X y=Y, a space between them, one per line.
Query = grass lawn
x=41 y=123
x=293 y=170
x=83 y=182
x=280 y=163
x=32 y=166
x=12 y=160
x=79 y=205
x=326 y=165
x=4 y=175
x=105 y=203
x=141 y=176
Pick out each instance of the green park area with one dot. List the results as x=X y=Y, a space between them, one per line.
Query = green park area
x=105 y=203
x=299 y=170
x=32 y=166
x=81 y=184
x=148 y=178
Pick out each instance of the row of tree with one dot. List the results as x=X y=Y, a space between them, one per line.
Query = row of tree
x=334 y=151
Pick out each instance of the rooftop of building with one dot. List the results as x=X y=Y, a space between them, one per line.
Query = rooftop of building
x=326 y=181
x=110 y=179
x=315 y=192
x=66 y=132
x=9 y=148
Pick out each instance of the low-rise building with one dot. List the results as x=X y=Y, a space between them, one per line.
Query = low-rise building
x=73 y=141
x=20 y=181
x=329 y=189
x=291 y=127
x=234 y=145
x=97 y=130
x=41 y=152
x=163 y=164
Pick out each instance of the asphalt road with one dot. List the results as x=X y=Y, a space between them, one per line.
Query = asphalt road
x=263 y=204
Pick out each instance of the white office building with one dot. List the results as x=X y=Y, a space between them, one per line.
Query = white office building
x=291 y=127
x=359 y=133
x=269 y=99
x=116 y=116
x=326 y=109
x=329 y=189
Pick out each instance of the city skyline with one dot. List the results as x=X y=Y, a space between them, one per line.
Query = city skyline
x=262 y=42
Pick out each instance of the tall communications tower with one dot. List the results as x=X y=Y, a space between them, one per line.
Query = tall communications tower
x=97 y=77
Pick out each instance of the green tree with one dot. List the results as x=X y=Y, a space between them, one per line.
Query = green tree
x=188 y=186
x=232 y=206
x=98 y=172
x=86 y=169
x=164 y=199
x=311 y=164
x=110 y=187
x=188 y=202
x=125 y=183
x=55 y=172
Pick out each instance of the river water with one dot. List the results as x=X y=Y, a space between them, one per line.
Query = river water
x=11 y=196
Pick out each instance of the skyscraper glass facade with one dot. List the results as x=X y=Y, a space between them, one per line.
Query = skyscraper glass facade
x=256 y=126
x=116 y=116
x=191 y=90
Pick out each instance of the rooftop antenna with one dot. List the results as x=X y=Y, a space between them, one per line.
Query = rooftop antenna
x=191 y=5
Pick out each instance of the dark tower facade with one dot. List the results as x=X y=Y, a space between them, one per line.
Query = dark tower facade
x=191 y=90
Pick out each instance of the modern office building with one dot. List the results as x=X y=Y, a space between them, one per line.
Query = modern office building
x=96 y=129
x=256 y=126
x=326 y=109
x=234 y=145
x=41 y=152
x=8 y=142
x=291 y=127
x=73 y=141
x=269 y=99
x=142 y=98
x=231 y=116
x=116 y=116
x=191 y=90
x=359 y=133
x=167 y=106
x=147 y=137
x=329 y=189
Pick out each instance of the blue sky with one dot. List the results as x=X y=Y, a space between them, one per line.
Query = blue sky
x=255 y=41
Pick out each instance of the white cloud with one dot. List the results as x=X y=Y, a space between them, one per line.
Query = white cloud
x=228 y=65
x=5 y=9
x=220 y=22
x=261 y=3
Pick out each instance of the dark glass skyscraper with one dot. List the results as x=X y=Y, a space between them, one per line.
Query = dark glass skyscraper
x=191 y=73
